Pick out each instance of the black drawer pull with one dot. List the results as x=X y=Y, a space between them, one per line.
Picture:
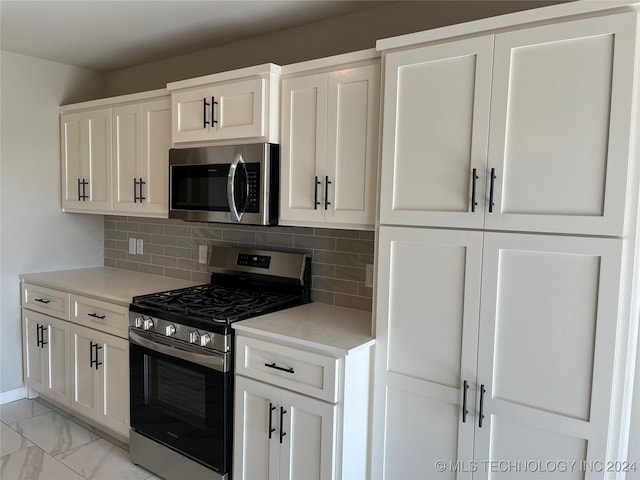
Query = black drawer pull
x=95 y=315
x=42 y=300
x=282 y=432
x=481 y=416
x=273 y=365
x=465 y=412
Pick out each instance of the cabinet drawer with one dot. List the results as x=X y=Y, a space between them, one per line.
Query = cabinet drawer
x=103 y=316
x=45 y=300
x=298 y=370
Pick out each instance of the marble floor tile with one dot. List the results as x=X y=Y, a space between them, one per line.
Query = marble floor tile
x=21 y=409
x=101 y=460
x=53 y=433
x=34 y=464
x=11 y=441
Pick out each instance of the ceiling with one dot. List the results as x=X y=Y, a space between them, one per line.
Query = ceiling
x=107 y=35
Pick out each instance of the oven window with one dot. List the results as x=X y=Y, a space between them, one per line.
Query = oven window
x=199 y=187
x=182 y=404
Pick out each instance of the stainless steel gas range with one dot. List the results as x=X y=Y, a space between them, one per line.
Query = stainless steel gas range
x=181 y=358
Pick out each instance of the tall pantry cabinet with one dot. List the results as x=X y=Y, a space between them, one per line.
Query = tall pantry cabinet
x=503 y=334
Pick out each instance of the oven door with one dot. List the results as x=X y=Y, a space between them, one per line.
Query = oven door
x=183 y=403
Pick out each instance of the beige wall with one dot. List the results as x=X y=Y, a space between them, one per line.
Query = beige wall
x=34 y=233
x=339 y=35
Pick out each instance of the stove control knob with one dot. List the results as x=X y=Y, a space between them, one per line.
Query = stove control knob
x=147 y=324
x=138 y=322
x=205 y=340
x=194 y=337
x=169 y=330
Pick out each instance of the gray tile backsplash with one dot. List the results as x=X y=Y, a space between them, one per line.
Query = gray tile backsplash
x=339 y=257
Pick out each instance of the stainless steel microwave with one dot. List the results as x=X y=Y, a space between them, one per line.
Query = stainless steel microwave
x=226 y=184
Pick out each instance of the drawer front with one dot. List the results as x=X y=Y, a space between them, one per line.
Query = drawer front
x=45 y=300
x=288 y=367
x=103 y=316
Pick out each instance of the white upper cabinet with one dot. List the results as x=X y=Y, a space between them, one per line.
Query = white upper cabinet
x=329 y=146
x=220 y=107
x=85 y=139
x=141 y=142
x=561 y=125
x=435 y=132
x=554 y=153
x=115 y=155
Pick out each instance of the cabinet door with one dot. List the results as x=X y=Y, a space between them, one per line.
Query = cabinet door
x=34 y=355
x=85 y=386
x=256 y=448
x=435 y=128
x=308 y=445
x=113 y=378
x=352 y=145
x=303 y=149
x=86 y=157
x=141 y=142
x=57 y=363
x=546 y=350
x=191 y=115
x=239 y=111
x=426 y=344
x=561 y=126
x=153 y=165
x=126 y=154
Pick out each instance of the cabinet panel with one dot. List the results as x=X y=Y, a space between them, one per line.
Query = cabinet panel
x=240 y=108
x=45 y=300
x=436 y=121
x=73 y=146
x=426 y=344
x=352 y=139
x=308 y=448
x=191 y=119
x=115 y=383
x=560 y=144
x=154 y=161
x=99 y=154
x=257 y=450
x=547 y=343
x=34 y=356
x=126 y=150
x=304 y=116
x=107 y=317
x=85 y=388
x=58 y=361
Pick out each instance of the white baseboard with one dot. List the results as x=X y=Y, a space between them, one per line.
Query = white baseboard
x=13 y=395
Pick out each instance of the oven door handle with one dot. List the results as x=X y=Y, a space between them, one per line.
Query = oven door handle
x=231 y=193
x=216 y=362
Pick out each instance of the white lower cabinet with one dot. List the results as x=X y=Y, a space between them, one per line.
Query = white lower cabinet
x=282 y=434
x=100 y=387
x=46 y=355
x=493 y=347
x=299 y=414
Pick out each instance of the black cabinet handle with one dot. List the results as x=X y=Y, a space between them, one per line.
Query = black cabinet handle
x=205 y=122
x=213 y=111
x=94 y=346
x=98 y=348
x=135 y=190
x=91 y=360
x=465 y=387
x=95 y=315
x=42 y=300
x=474 y=178
x=38 y=335
x=79 y=195
x=82 y=196
x=282 y=432
x=273 y=365
x=493 y=179
x=43 y=328
x=326 y=192
x=271 y=429
x=315 y=194
x=141 y=183
x=481 y=416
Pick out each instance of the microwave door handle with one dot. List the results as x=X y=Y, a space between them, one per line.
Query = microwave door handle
x=231 y=194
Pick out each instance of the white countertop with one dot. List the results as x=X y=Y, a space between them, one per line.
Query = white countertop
x=106 y=283
x=335 y=330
